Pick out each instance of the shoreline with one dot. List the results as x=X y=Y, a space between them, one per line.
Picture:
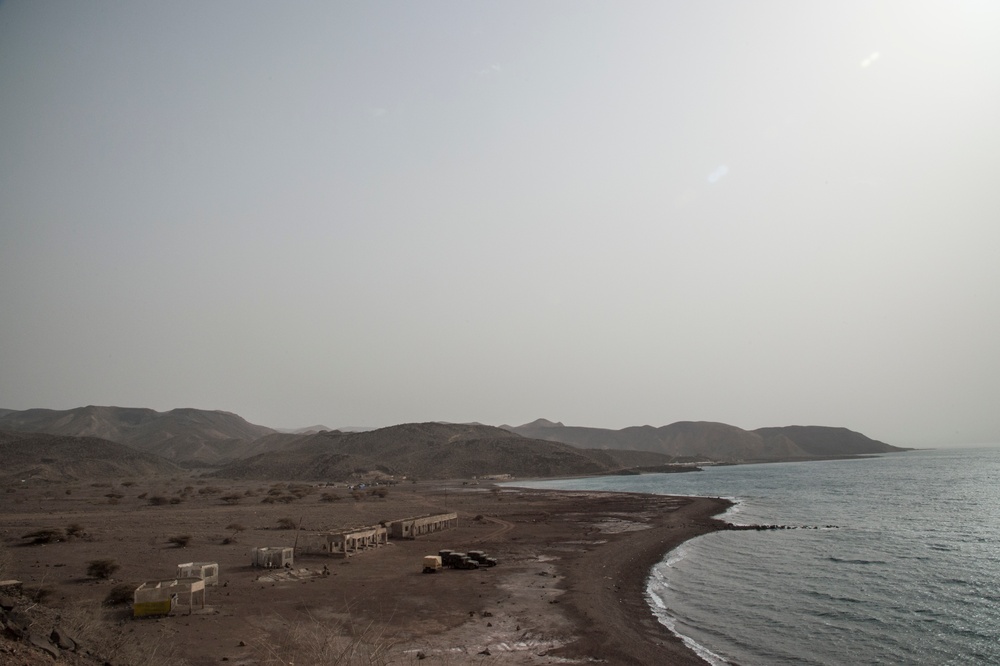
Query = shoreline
x=574 y=576
x=607 y=592
x=570 y=587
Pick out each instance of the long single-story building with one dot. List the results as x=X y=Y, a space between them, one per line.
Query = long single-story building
x=411 y=528
x=346 y=543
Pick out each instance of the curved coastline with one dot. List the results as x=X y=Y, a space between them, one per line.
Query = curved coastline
x=606 y=589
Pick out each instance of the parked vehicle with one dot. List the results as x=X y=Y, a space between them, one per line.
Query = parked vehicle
x=432 y=563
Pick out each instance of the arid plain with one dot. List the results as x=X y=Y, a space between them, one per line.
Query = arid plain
x=569 y=587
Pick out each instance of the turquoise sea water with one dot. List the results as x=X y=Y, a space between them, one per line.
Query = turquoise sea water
x=909 y=575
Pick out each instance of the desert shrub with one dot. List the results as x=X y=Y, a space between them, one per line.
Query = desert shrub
x=157 y=500
x=209 y=490
x=478 y=518
x=176 y=500
x=69 y=491
x=6 y=562
x=44 y=536
x=102 y=569
x=120 y=594
x=180 y=540
x=357 y=495
x=232 y=498
x=329 y=497
x=274 y=492
x=116 y=496
x=142 y=495
x=323 y=642
x=128 y=484
x=39 y=594
x=286 y=524
x=380 y=492
x=100 y=484
x=75 y=530
x=300 y=490
x=236 y=528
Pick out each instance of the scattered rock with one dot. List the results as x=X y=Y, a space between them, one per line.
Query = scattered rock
x=63 y=638
x=42 y=641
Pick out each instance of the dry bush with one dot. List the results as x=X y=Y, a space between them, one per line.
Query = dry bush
x=6 y=562
x=381 y=491
x=120 y=594
x=300 y=490
x=102 y=569
x=286 y=524
x=128 y=484
x=100 y=629
x=209 y=490
x=236 y=528
x=39 y=594
x=232 y=498
x=44 y=536
x=75 y=530
x=330 y=497
x=158 y=500
x=180 y=540
x=114 y=495
x=320 y=643
x=357 y=495
x=176 y=500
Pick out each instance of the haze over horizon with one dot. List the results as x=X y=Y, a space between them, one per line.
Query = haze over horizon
x=605 y=214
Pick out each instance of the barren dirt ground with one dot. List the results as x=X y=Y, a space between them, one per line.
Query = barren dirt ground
x=569 y=587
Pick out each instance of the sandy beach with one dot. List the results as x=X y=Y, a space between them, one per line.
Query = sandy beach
x=570 y=586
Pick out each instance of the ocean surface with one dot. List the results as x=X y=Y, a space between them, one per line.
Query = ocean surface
x=904 y=568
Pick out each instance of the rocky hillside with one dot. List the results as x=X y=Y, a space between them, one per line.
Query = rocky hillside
x=702 y=440
x=191 y=437
x=428 y=450
x=44 y=457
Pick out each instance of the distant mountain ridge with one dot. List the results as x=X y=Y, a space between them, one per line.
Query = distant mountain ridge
x=709 y=441
x=428 y=450
x=45 y=457
x=185 y=435
x=227 y=442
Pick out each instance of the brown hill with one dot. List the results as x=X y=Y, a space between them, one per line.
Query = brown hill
x=188 y=436
x=428 y=451
x=44 y=457
x=702 y=440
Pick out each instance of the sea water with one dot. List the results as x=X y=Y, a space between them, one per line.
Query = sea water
x=902 y=568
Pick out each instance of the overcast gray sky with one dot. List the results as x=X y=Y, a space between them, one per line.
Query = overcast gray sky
x=604 y=213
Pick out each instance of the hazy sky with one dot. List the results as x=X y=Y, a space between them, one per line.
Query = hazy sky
x=605 y=213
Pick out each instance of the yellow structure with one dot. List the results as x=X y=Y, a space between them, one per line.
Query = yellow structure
x=163 y=597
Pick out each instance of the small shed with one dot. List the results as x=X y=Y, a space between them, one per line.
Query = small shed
x=207 y=571
x=162 y=597
x=273 y=557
